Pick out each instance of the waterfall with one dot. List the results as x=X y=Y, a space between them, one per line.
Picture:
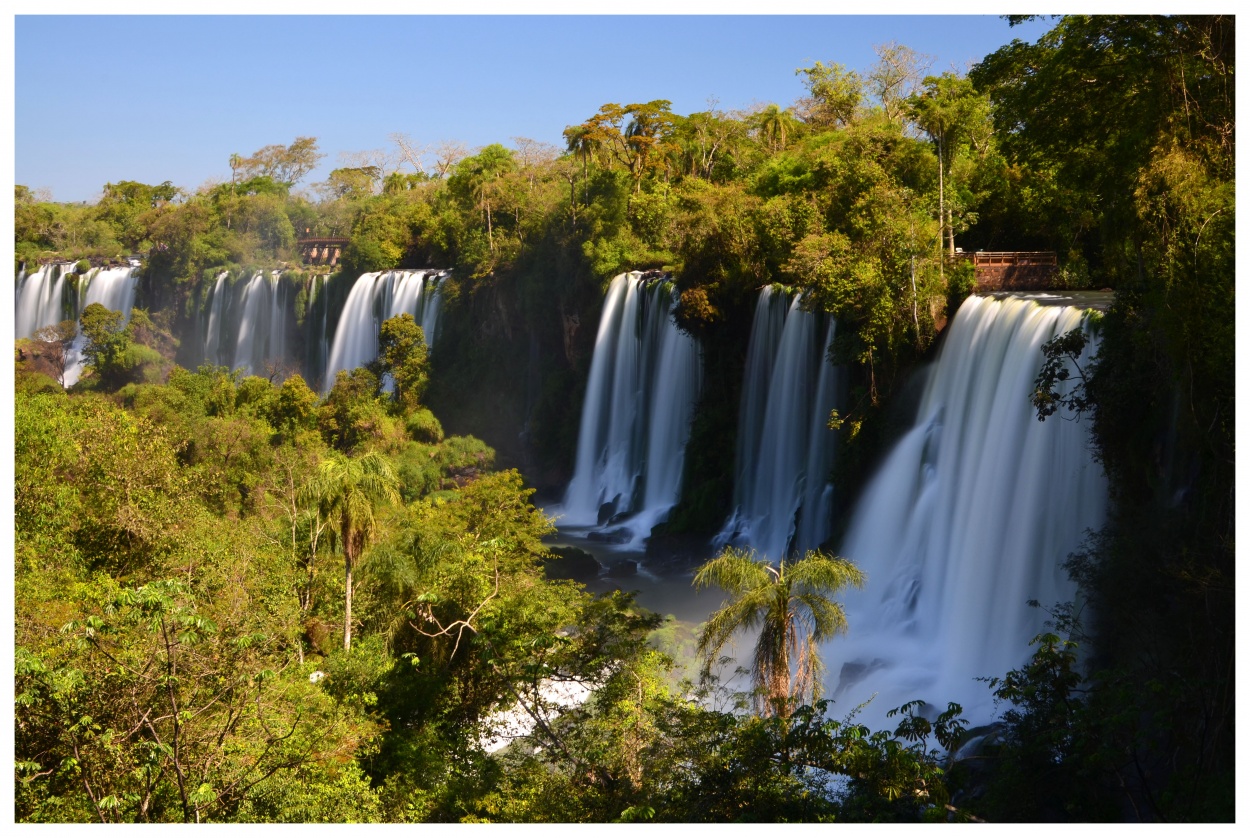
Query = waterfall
x=644 y=378
x=212 y=336
x=377 y=297
x=247 y=323
x=113 y=288
x=41 y=299
x=782 y=493
x=316 y=331
x=970 y=516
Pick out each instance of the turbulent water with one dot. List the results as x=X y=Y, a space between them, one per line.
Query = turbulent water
x=52 y=294
x=971 y=516
x=782 y=492
x=374 y=298
x=644 y=379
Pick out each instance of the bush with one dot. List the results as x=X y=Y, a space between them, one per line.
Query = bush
x=423 y=426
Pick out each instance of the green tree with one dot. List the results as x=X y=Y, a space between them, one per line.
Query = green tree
x=477 y=180
x=836 y=95
x=107 y=342
x=351 y=489
x=790 y=605
x=403 y=355
x=952 y=113
x=353 y=183
x=285 y=164
x=777 y=126
x=634 y=135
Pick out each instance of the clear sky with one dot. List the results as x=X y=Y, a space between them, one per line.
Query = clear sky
x=102 y=99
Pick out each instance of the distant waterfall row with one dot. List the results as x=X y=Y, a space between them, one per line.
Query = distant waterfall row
x=250 y=323
x=971 y=516
x=644 y=379
x=782 y=493
x=54 y=293
x=259 y=322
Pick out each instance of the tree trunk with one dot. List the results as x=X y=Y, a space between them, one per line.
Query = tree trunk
x=348 y=558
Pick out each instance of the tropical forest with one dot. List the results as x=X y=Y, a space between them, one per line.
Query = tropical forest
x=862 y=458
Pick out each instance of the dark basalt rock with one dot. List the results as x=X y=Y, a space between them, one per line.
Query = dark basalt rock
x=620 y=535
x=608 y=510
x=568 y=562
x=623 y=570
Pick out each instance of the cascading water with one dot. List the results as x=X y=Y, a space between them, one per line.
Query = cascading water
x=782 y=493
x=247 y=323
x=377 y=297
x=113 y=288
x=971 y=515
x=54 y=293
x=316 y=333
x=644 y=378
x=42 y=299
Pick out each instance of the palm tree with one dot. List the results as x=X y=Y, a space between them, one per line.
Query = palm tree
x=791 y=606
x=351 y=489
x=582 y=141
x=777 y=126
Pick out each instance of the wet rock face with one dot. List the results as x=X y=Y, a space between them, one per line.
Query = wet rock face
x=607 y=511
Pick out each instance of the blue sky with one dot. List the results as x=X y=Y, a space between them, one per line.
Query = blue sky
x=100 y=99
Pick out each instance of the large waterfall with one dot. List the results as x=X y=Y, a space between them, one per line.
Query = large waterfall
x=644 y=379
x=247 y=323
x=971 y=516
x=782 y=492
x=53 y=293
x=377 y=297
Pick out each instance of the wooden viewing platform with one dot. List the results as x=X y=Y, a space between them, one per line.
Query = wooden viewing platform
x=1014 y=270
x=321 y=250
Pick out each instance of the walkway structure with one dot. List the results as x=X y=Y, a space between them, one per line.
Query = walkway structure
x=321 y=250
x=1021 y=270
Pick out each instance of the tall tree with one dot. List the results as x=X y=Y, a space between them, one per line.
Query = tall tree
x=835 y=95
x=402 y=353
x=951 y=112
x=791 y=606
x=635 y=135
x=895 y=77
x=285 y=164
x=477 y=178
x=351 y=489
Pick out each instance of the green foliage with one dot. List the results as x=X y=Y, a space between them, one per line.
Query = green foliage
x=284 y=164
x=402 y=354
x=107 y=342
x=836 y=94
x=423 y=426
x=790 y=605
x=351 y=490
x=1049 y=395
